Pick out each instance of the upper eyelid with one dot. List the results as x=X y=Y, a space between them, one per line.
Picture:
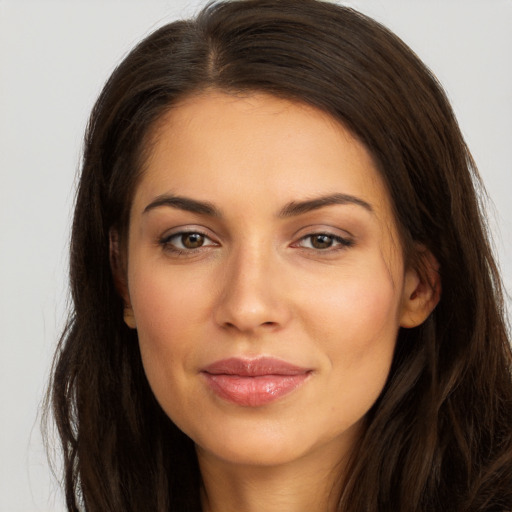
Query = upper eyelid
x=307 y=231
x=319 y=229
x=166 y=244
x=325 y=233
x=194 y=232
x=341 y=240
x=183 y=230
x=168 y=238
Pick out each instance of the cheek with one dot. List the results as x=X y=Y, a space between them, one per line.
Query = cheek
x=356 y=324
x=358 y=308
x=167 y=302
x=169 y=310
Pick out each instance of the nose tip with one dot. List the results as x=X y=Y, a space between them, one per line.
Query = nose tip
x=247 y=310
x=244 y=321
x=251 y=298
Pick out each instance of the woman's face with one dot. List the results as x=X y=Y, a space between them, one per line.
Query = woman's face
x=266 y=278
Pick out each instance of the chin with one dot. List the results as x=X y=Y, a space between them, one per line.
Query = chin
x=252 y=451
x=267 y=443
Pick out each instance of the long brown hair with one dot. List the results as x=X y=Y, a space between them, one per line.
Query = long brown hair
x=440 y=435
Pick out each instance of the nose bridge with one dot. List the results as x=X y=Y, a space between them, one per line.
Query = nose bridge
x=250 y=295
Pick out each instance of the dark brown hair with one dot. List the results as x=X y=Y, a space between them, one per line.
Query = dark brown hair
x=440 y=436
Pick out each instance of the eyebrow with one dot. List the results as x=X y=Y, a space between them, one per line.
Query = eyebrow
x=299 y=207
x=184 y=203
x=291 y=209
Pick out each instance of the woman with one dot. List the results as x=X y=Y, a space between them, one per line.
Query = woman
x=284 y=296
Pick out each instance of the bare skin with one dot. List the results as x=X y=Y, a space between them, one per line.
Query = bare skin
x=261 y=228
x=308 y=485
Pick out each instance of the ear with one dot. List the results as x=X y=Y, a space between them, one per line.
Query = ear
x=118 y=267
x=422 y=290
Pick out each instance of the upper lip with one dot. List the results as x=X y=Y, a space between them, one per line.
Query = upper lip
x=253 y=367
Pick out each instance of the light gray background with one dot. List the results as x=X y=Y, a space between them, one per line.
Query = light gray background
x=54 y=58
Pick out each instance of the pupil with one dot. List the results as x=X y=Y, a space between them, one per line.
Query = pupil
x=322 y=241
x=192 y=240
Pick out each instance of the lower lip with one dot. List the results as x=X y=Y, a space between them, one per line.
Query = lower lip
x=254 y=391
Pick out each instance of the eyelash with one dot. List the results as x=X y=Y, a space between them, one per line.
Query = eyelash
x=338 y=243
x=167 y=245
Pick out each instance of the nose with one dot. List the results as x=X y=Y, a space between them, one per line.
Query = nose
x=252 y=297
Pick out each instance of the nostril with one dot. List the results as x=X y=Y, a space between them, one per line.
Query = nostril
x=231 y=325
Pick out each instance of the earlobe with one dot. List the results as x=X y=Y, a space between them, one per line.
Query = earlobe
x=118 y=269
x=117 y=265
x=129 y=318
x=422 y=291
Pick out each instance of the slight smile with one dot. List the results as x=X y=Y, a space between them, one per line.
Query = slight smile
x=254 y=382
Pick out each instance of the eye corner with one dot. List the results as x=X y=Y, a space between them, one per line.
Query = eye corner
x=176 y=242
x=324 y=242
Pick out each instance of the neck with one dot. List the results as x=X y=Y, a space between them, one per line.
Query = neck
x=300 y=486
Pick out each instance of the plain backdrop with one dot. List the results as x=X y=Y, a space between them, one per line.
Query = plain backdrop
x=54 y=58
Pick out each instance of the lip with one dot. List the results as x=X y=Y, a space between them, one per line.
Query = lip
x=254 y=382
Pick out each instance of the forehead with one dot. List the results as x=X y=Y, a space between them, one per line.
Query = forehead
x=231 y=149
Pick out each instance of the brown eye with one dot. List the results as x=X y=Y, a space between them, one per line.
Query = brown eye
x=192 y=240
x=324 y=242
x=186 y=242
x=321 y=241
